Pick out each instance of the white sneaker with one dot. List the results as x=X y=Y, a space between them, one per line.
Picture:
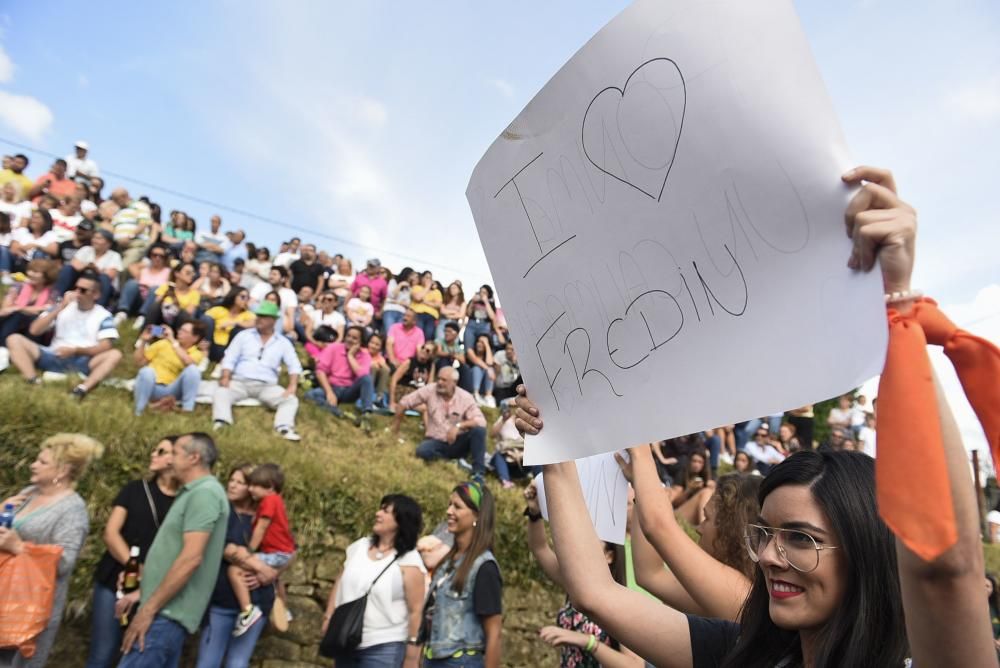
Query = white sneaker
x=479 y=399
x=139 y=323
x=216 y=372
x=203 y=367
x=247 y=619
x=4 y=359
x=490 y=401
x=120 y=318
x=6 y=280
x=288 y=433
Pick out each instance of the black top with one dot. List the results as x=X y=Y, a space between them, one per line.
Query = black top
x=305 y=274
x=711 y=640
x=139 y=528
x=67 y=249
x=488 y=594
x=238 y=532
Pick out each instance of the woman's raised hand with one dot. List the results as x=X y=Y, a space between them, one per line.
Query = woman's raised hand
x=526 y=416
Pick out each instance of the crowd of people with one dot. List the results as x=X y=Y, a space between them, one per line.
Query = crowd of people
x=794 y=566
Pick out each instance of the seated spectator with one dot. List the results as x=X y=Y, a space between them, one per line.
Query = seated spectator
x=35 y=241
x=257 y=269
x=15 y=174
x=372 y=277
x=211 y=242
x=101 y=259
x=867 y=436
x=455 y=425
x=176 y=300
x=343 y=372
x=13 y=205
x=842 y=414
x=325 y=313
x=359 y=310
x=168 y=372
x=177 y=230
x=671 y=456
x=66 y=217
x=836 y=439
x=189 y=250
x=404 y=339
x=288 y=253
x=509 y=452
x=397 y=299
x=508 y=374
x=83 y=235
x=132 y=225
x=53 y=182
x=340 y=282
x=481 y=313
x=480 y=360
x=212 y=285
x=412 y=374
x=307 y=270
x=304 y=305
x=250 y=369
x=6 y=261
x=786 y=439
x=451 y=352
x=139 y=291
x=82 y=342
x=452 y=308
x=24 y=302
x=232 y=313
x=763 y=451
x=426 y=300
x=691 y=493
x=277 y=281
x=744 y=463
x=380 y=371
x=235 y=250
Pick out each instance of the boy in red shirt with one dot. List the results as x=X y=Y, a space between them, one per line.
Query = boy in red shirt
x=271 y=539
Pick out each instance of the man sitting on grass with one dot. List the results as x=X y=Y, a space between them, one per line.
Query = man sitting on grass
x=169 y=372
x=83 y=339
x=343 y=373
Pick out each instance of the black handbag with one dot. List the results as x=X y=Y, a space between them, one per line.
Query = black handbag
x=343 y=634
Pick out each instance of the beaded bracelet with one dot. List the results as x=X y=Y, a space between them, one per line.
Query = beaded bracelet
x=902 y=296
x=591 y=644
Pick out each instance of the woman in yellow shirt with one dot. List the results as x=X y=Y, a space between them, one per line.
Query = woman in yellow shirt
x=176 y=300
x=425 y=300
x=233 y=312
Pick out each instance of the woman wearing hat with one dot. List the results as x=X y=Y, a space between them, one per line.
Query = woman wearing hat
x=462 y=615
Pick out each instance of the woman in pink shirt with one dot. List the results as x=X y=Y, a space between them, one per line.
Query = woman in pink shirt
x=25 y=301
x=146 y=277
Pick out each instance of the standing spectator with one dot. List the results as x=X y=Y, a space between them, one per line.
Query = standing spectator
x=372 y=277
x=324 y=314
x=24 y=302
x=139 y=291
x=211 y=243
x=343 y=373
x=250 y=369
x=182 y=563
x=426 y=300
x=480 y=359
x=235 y=249
x=50 y=512
x=53 y=182
x=482 y=315
x=132 y=225
x=452 y=309
x=508 y=373
x=271 y=541
x=79 y=167
x=169 y=367
x=455 y=425
x=867 y=436
x=233 y=312
x=397 y=299
x=217 y=640
x=340 y=282
x=403 y=339
x=136 y=514
x=176 y=300
x=83 y=339
x=359 y=310
x=464 y=607
x=307 y=270
x=388 y=559
x=101 y=259
x=15 y=174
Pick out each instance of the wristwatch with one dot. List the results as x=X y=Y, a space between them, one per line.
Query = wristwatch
x=412 y=640
x=534 y=517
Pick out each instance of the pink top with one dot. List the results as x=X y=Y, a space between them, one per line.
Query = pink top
x=443 y=414
x=378 y=285
x=154 y=279
x=405 y=343
x=333 y=362
x=26 y=296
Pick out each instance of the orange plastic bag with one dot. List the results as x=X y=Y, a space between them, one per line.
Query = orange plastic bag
x=27 y=589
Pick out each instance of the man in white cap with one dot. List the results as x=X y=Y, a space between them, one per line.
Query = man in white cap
x=79 y=167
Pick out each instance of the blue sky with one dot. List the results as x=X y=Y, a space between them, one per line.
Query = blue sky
x=364 y=120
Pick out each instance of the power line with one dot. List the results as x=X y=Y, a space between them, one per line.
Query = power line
x=249 y=214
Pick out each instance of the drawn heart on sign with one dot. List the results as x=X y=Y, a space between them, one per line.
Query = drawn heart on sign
x=632 y=133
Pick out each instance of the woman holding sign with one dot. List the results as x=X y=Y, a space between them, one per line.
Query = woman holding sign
x=833 y=587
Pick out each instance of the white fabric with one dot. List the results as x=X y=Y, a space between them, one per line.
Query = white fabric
x=866 y=435
x=64 y=226
x=110 y=260
x=386 y=614
x=23 y=235
x=285 y=259
x=19 y=212
x=75 y=165
x=83 y=329
x=334 y=319
x=286 y=295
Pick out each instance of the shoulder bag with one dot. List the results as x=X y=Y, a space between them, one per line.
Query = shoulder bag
x=343 y=634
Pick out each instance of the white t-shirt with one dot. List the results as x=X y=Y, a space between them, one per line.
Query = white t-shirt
x=23 y=235
x=83 y=329
x=19 y=212
x=75 y=165
x=286 y=295
x=110 y=260
x=866 y=436
x=201 y=238
x=64 y=226
x=386 y=616
x=334 y=319
x=285 y=259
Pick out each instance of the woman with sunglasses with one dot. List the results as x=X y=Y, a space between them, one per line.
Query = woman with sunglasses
x=832 y=587
x=227 y=319
x=146 y=277
x=136 y=514
x=462 y=614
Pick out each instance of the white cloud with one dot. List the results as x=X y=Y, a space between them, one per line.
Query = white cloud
x=979 y=101
x=505 y=88
x=25 y=115
x=82 y=80
x=6 y=67
x=371 y=112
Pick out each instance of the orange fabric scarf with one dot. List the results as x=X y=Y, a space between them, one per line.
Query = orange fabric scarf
x=914 y=491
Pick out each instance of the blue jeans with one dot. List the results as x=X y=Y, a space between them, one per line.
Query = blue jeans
x=49 y=361
x=184 y=389
x=5 y=259
x=714 y=444
x=464 y=661
x=164 y=644
x=471 y=443
x=473 y=330
x=105 y=630
x=386 y=655
x=129 y=302
x=390 y=318
x=217 y=641
x=66 y=280
x=428 y=324
x=481 y=383
x=502 y=468
x=362 y=388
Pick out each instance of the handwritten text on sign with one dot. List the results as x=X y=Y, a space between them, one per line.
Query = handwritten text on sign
x=664 y=222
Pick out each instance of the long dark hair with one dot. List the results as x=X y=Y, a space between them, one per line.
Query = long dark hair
x=867 y=629
x=230 y=299
x=409 y=520
x=482 y=533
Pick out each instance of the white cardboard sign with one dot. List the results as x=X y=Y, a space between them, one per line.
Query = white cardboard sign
x=605 y=493
x=664 y=222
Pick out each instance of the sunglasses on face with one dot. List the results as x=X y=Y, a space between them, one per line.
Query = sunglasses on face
x=159 y=255
x=82 y=290
x=160 y=452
